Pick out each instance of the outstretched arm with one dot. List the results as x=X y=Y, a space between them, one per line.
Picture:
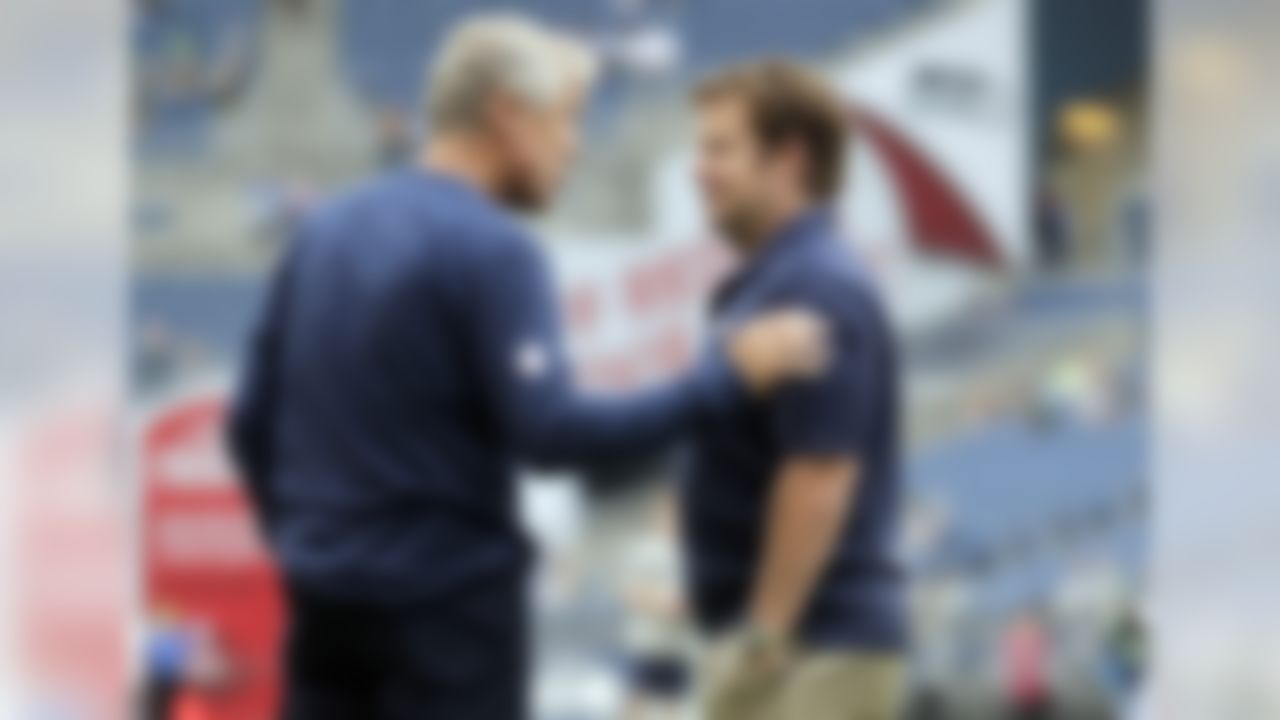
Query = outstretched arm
x=518 y=344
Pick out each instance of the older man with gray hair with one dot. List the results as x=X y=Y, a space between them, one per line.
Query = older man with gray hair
x=408 y=355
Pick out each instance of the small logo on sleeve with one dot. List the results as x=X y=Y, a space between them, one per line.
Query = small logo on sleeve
x=532 y=361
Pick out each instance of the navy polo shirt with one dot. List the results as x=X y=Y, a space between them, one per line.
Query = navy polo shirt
x=408 y=357
x=852 y=410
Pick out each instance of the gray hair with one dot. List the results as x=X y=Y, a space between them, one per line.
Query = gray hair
x=506 y=52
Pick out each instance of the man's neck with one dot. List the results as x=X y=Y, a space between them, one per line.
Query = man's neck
x=781 y=220
x=463 y=158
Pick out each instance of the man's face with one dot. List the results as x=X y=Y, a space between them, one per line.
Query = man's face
x=734 y=170
x=536 y=147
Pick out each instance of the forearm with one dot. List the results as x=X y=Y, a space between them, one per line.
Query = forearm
x=810 y=505
x=511 y=312
x=568 y=427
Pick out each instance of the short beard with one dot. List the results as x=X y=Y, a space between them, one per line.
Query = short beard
x=743 y=230
x=521 y=194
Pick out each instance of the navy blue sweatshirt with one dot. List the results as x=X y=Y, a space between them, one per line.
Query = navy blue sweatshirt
x=408 y=355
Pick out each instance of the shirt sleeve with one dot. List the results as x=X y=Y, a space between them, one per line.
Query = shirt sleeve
x=828 y=415
x=518 y=345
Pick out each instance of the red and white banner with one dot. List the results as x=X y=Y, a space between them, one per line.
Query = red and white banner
x=207 y=576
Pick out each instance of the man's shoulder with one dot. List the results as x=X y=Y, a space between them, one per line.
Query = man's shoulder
x=827 y=275
x=406 y=201
x=358 y=197
x=350 y=210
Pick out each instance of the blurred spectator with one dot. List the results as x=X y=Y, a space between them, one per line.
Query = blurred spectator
x=1077 y=390
x=658 y=637
x=190 y=62
x=940 y=606
x=1090 y=593
x=1053 y=230
x=1123 y=661
x=928 y=521
x=1026 y=653
x=553 y=509
x=395 y=141
x=158 y=356
x=185 y=663
x=277 y=205
x=1135 y=227
x=168 y=649
x=209 y=671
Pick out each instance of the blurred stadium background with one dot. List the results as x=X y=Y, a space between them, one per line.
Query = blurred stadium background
x=999 y=190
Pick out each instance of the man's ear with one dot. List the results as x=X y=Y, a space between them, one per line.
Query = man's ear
x=792 y=153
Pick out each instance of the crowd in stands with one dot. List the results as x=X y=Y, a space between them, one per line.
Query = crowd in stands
x=194 y=57
x=191 y=58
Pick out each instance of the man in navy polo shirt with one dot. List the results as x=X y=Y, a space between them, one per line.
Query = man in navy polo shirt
x=792 y=501
x=409 y=355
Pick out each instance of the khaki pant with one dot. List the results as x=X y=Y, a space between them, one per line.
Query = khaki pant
x=826 y=685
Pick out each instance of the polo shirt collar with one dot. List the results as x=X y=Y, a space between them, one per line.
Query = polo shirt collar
x=808 y=227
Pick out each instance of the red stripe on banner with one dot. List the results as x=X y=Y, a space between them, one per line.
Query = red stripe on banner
x=941 y=220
